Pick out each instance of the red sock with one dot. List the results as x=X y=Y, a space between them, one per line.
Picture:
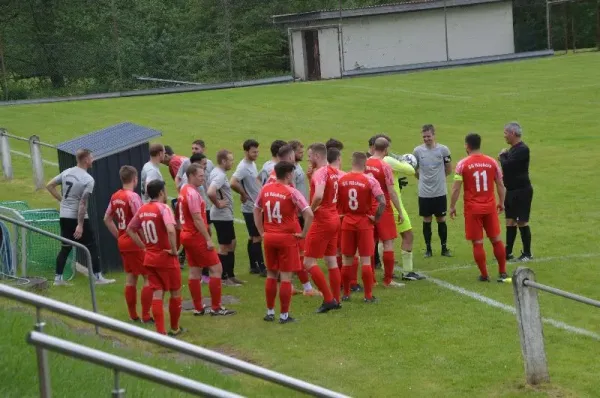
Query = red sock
x=271 y=292
x=175 y=312
x=500 y=254
x=159 y=315
x=346 y=277
x=131 y=300
x=335 y=281
x=479 y=256
x=303 y=276
x=353 y=279
x=214 y=285
x=319 y=279
x=146 y=303
x=196 y=292
x=388 y=266
x=367 y=278
x=285 y=296
x=339 y=262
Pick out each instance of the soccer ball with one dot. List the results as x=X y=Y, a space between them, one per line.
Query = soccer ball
x=410 y=159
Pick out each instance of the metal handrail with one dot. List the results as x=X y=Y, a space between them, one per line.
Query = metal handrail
x=562 y=293
x=167 y=342
x=78 y=245
x=41 y=340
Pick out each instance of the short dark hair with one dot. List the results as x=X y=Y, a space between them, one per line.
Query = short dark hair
x=194 y=167
x=381 y=144
x=283 y=168
x=333 y=154
x=333 y=143
x=319 y=148
x=428 y=127
x=156 y=149
x=275 y=147
x=249 y=144
x=380 y=135
x=473 y=141
x=222 y=155
x=359 y=159
x=169 y=150
x=127 y=174
x=284 y=151
x=82 y=154
x=295 y=144
x=154 y=188
x=200 y=143
x=197 y=158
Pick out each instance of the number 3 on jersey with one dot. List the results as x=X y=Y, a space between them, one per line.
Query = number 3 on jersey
x=274 y=213
x=483 y=177
x=122 y=225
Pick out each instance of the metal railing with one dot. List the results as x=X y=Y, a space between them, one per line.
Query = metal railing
x=194 y=351
x=77 y=245
x=529 y=321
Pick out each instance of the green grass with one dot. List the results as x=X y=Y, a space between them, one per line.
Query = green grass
x=423 y=340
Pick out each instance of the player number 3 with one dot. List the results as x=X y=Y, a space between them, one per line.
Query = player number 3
x=483 y=176
x=122 y=225
x=274 y=213
x=352 y=199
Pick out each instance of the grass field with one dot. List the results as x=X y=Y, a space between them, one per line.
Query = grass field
x=430 y=338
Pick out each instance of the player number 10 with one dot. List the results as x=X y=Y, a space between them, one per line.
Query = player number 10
x=483 y=175
x=149 y=230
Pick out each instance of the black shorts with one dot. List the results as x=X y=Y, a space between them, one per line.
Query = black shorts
x=437 y=206
x=252 y=231
x=517 y=205
x=67 y=229
x=208 y=220
x=225 y=231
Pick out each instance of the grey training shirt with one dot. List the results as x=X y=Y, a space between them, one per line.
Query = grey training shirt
x=246 y=173
x=300 y=180
x=74 y=182
x=266 y=170
x=150 y=172
x=218 y=179
x=431 y=167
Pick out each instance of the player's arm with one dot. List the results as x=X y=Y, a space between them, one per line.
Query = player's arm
x=501 y=189
x=195 y=208
x=212 y=192
x=308 y=216
x=389 y=182
x=199 y=224
x=456 y=187
x=509 y=159
x=447 y=162
x=82 y=209
x=258 y=220
x=51 y=187
x=416 y=168
x=318 y=196
x=237 y=186
x=110 y=223
x=132 y=231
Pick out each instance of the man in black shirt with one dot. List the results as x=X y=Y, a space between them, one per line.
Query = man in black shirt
x=519 y=192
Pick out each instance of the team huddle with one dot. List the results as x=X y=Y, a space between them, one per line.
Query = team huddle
x=341 y=218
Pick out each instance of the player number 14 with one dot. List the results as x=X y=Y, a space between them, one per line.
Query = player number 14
x=483 y=177
x=274 y=213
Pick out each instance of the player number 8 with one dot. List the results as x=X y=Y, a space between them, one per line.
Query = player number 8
x=353 y=199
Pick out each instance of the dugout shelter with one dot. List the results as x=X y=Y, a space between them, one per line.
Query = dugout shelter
x=122 y=144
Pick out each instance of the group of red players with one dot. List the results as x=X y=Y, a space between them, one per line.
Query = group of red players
x=345 y=212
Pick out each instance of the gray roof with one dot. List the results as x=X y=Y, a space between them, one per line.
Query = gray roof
x=408 y=6
x=111 y=140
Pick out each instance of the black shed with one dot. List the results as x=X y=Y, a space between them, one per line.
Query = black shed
x=112 y=147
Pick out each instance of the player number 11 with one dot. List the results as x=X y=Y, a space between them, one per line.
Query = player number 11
x=483 y=175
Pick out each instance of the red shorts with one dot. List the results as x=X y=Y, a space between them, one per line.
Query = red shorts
x=322 y=240
x=133 y=262
x=476 y=223
x=165 y=279
x=386 y=227
x=357 y=239
x=196 y=252
x=281 y=252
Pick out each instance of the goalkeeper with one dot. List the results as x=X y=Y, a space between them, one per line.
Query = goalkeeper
x=402 y=169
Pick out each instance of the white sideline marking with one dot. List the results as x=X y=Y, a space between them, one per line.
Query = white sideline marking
x=512 y=310
x=29 y=156
x=547 y=90
x=396 y=89
x=535 y=260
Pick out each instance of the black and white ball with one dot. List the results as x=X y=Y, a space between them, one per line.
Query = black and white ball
x=410 y=159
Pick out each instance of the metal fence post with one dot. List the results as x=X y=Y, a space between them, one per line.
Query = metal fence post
x=529 y=321
x=36 y=162
x=118 y=392
x=6 y=159
x=42 y=360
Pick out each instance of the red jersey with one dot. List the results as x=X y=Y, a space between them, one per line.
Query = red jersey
x=175 y=164
x=479 y=173
x=356 y=195
x=152 y=219
x=190 y=202
x=280 y=205
x=327 y=210
x=122 y=207
x=384 y=175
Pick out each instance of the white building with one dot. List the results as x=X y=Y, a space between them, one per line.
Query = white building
x=333 y=43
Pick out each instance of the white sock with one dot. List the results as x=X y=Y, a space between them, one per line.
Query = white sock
x=283 y=316
x=307 y=287
x=58 y=277
x=271 y=312
x=407 y=261
x=98 y=275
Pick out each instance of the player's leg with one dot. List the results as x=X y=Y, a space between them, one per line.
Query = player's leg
x=146 y=297
x=156 y=279
x=314 y=248
x=303 y=277
x=491 y=225
x=511 y=223
x=88 y=239
x=441 y=208
x=386 y=229
x=366 y=247
x=349 y=245
x=524 y=206
x=205 y=272
x=231 y=253
x=131 y=295
x=426 y=213
x=474 y=233
x=195 y=286
x=405 y=231
x=67 y=229
x=285 y=297
x=288 y=263
x=272 y=263
x=175 y=301
x=376 y=259
x=254 y=246
x=330 y=257
x=215 y=288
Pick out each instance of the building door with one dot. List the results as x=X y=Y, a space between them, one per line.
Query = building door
x=313 y=58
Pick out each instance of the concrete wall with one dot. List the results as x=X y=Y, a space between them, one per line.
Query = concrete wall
x=298 y=58
x=329 y=53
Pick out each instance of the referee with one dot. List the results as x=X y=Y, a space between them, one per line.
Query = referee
x=77 y=186
x=519 y=192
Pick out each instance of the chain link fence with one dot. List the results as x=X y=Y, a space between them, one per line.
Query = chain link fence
x=54 y=48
